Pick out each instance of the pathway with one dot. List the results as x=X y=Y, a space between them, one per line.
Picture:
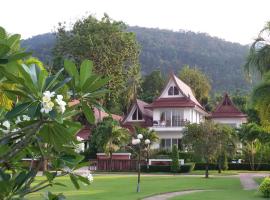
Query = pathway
x=169 y=195
x=248 y=182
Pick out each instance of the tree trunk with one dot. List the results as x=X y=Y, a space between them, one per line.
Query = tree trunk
x=139 y=171
x=219 y=164
x=147 y=160
x=207 y=169
x=110 y=161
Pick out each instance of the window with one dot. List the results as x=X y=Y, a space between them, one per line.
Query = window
x=137 y=115
x=168 y=143
x=173 y=91
x=171 y=118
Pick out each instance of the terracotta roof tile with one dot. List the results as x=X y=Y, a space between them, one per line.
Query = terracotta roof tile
x=226 y=109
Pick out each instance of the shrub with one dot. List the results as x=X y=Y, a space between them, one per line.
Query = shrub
x=175 y=160
x=187 y=168
x=265 y=187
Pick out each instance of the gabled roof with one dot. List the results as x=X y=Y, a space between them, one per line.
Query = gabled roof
x=227 y=109
x=141 y=105
x=188 y=99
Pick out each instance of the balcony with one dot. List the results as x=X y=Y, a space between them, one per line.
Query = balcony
x=169 y=125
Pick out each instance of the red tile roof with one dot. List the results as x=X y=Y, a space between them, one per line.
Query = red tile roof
x=146 y=113
x=172 y=102
x=99 y=115
x=189 y=100
x=227 y=109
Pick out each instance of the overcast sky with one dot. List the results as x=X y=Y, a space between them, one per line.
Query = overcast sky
x=233 y=20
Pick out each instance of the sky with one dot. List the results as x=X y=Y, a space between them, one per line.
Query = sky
x=233 y=20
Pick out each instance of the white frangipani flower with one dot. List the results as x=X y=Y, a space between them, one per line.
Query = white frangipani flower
x=6 y=124
x=90 y=177
x=26 y=118
x=140 y=136
x=62 y=104
x=47 y=107
x=147 y=141
x=18 y=120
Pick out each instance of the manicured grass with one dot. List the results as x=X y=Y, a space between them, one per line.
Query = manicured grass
x=123 y=187
x=213 y=172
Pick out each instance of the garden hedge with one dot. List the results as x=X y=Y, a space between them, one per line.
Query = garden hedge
x=234 y=166
x=188 y=167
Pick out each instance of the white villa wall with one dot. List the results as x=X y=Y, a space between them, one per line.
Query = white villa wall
x=236 y=121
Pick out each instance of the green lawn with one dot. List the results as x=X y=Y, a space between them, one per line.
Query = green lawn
x=122 y=187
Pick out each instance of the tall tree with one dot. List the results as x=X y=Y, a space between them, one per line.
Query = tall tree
x=205 y=140
x=108 y=44
x=198 y=82
x=254 y=138
x=259 y=61
x=152 y=85
x=259 y=53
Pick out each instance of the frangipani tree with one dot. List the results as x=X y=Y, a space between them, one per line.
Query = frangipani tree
x=41 y=120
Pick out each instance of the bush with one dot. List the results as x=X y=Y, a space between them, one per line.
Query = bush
x=175 y=160
x=265 y=187
x=186 y=168
x=234 y=166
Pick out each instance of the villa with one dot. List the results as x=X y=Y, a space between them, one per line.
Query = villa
x=174 y=108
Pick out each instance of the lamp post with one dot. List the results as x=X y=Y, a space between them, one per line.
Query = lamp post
x=138 y=142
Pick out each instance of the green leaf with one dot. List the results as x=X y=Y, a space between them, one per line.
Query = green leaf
x=50 y=175
x=17 y=110
x=74 y=181
x=28 y=82
x=2 y=33
x=71 y=69
x=51 y=81
x=18 y=56
x=61 y=84
x=89 y=82
x=42 y=79
x=85 y=71
x=4 y=49
x=13 y=40
x=88 y=113
x=98 y=84
x=83 y=179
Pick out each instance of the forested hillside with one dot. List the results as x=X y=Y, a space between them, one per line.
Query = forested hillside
x=221 y=60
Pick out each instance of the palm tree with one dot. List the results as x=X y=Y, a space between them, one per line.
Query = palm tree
x=261 y=99
x=259 y=60
x=259 y=54
x=117 y=137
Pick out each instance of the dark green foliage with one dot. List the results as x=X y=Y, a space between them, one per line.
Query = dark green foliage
x=234 y=166
x=175 y=160
x=186 y=168
x=152 y=85
x=170 y=50
x=113 y=50
x=198 y=82
x=224 y=162
x=265 y=187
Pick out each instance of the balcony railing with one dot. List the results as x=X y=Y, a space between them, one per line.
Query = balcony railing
x=170 y=123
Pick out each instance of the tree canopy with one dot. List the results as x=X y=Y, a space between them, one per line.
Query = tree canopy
x=113 y=50
x=198 y=82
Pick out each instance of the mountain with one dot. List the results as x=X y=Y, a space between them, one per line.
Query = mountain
x=221 y=60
